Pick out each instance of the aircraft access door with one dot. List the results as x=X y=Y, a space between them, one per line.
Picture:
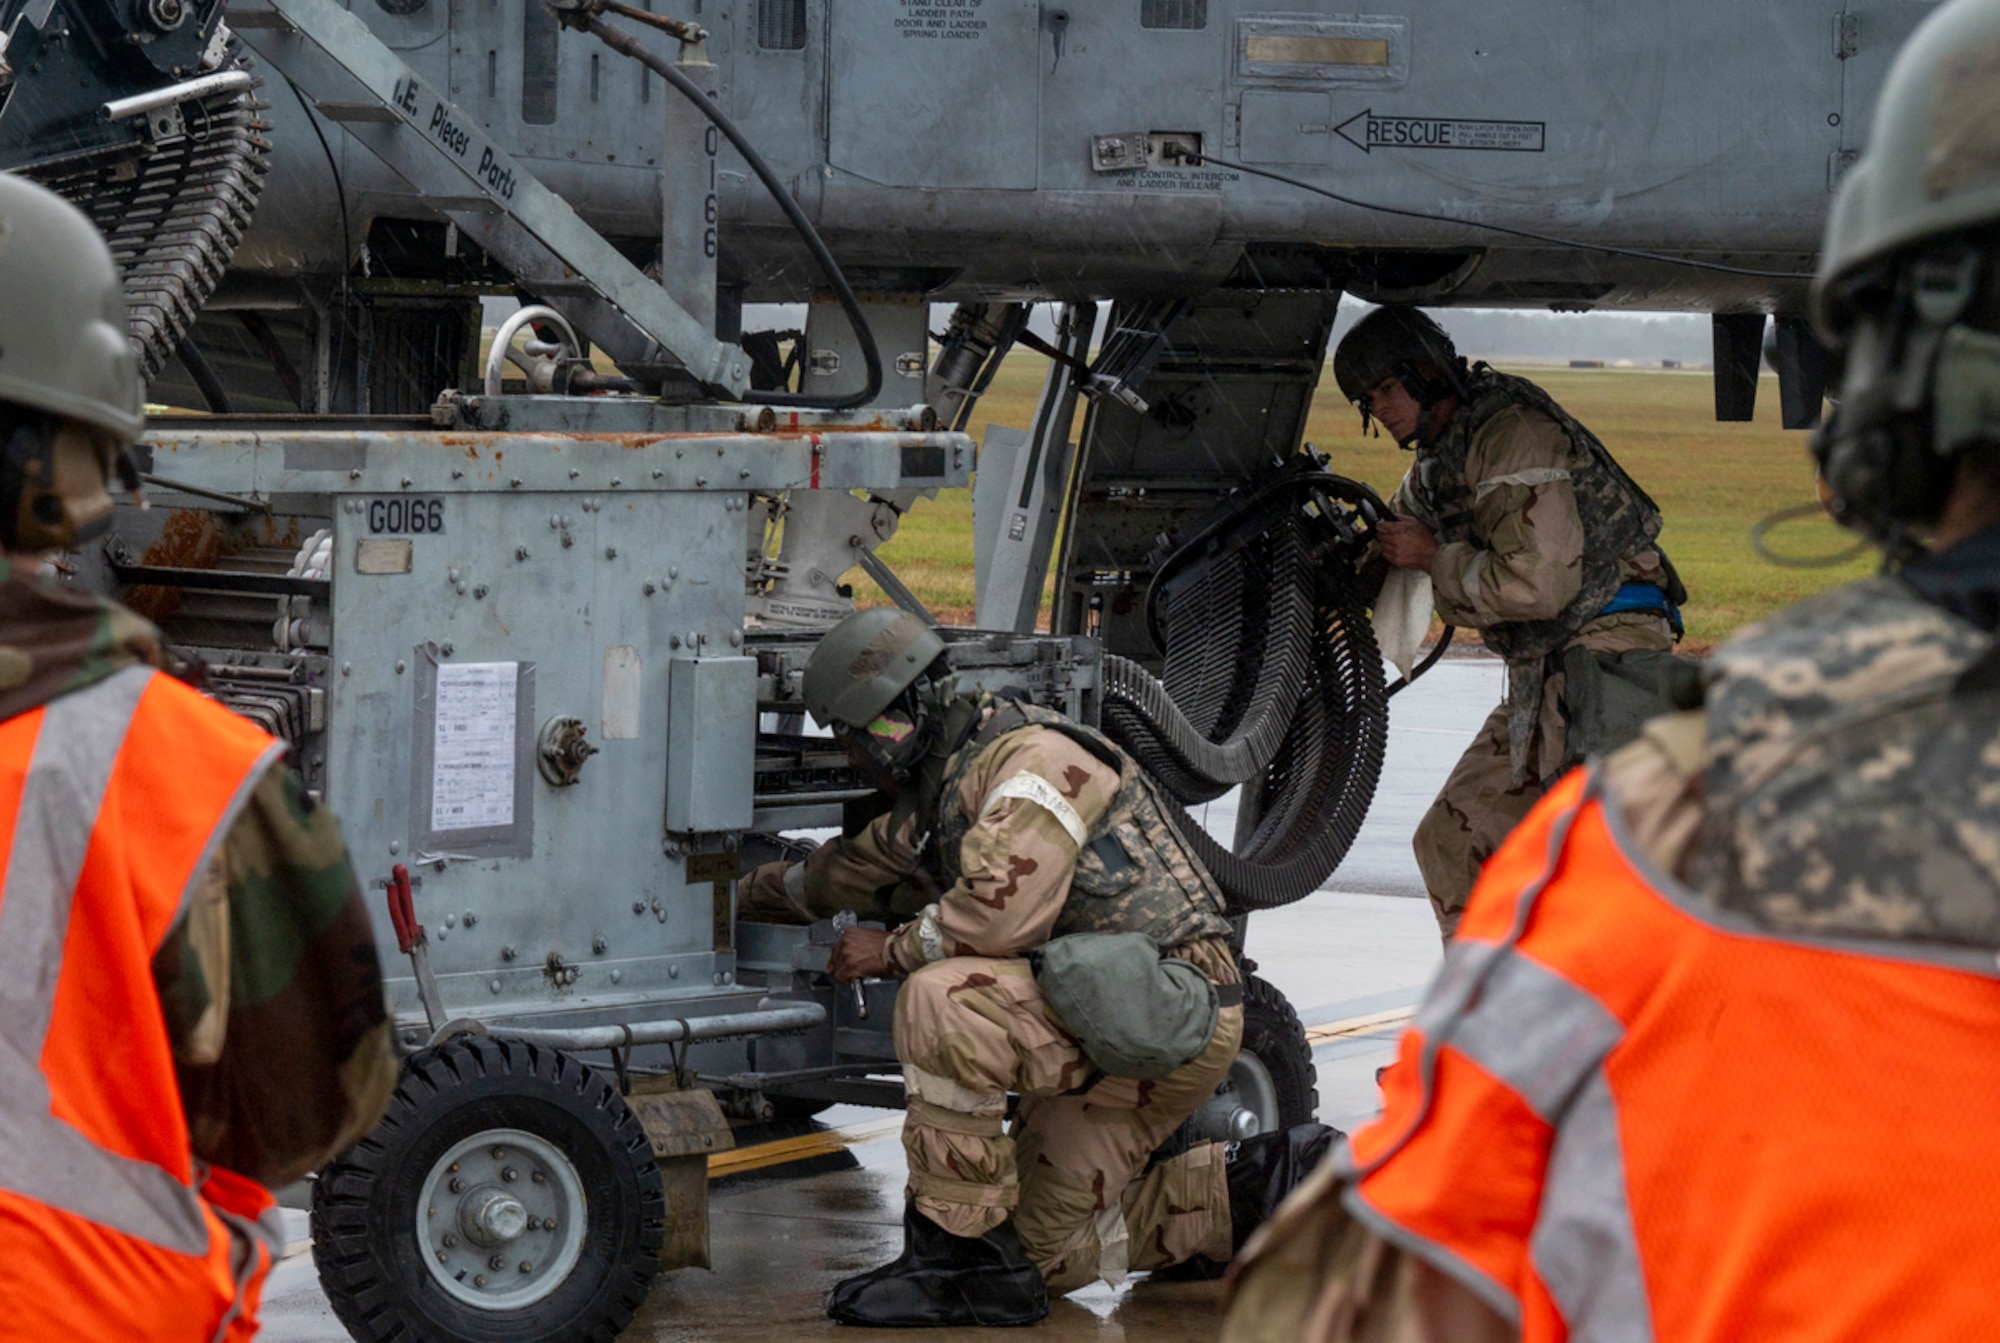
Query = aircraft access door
x=936 y=93
x=1866 y=36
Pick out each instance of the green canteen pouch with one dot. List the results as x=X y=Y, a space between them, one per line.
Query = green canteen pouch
x=1135 y=1013
x=1607 y=697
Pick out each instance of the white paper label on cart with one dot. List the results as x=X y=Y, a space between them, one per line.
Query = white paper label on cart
x=472 y=761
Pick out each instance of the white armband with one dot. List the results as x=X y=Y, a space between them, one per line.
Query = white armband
x=1034 y=788
x=1528 y=479
x=930 y=937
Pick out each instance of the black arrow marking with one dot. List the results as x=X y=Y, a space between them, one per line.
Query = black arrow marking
x=1470 y=133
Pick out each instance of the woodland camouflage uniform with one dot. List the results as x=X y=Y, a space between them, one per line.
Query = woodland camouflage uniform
x=1537 y=529
x=270 y=984
x=1012 y=832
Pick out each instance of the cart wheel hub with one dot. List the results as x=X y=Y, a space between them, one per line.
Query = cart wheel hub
x=507 y=1241
x=491 y=1217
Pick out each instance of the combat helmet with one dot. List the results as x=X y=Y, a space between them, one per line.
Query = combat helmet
x=1401 y=340
x=70 y=392
x=1908 y=292
x=864 y=663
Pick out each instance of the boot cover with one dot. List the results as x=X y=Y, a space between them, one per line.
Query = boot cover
x=945 y=1280
x=1263 y=1169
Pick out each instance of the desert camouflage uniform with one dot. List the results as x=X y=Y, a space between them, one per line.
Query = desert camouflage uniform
x=1537 y=530
x=269 y=982
x=1840 y=781
x=1028 y=833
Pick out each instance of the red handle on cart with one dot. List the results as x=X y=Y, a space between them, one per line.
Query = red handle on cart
x=403 y=911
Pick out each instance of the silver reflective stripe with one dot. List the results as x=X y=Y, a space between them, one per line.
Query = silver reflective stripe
x=247 y=1235
x=74 y=751
x=1466 y=965
x=1467 y=962
x=1535 y=1031
x=41 y=1157
x=1546 y=1040
x=1583 y=1245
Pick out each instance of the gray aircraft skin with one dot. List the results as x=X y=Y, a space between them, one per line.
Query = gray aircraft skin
x=1021 y=150
x=952 y=141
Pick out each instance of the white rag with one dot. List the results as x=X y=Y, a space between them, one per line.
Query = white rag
x=1402 y=617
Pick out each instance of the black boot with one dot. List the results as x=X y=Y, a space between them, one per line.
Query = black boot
x=941 y=1279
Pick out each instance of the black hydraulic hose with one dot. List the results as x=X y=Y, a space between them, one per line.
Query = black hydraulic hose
x=625 y=44
x=1430 y=660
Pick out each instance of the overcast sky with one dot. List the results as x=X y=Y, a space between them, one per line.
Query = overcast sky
x=1479 y=332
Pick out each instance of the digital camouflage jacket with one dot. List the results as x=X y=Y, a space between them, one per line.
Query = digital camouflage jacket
x=1840 y=781
x=1853 y=770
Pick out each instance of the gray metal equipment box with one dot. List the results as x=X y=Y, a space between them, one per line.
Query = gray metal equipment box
x=711 y=743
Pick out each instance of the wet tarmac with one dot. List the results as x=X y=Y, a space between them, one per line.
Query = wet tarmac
x=1353 y=960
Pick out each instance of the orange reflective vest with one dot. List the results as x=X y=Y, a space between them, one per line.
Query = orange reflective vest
x=1622 y=1115
x=113 y=799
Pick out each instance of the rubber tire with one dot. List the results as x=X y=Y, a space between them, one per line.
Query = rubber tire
x=363 y=1204
x=1271 y=1032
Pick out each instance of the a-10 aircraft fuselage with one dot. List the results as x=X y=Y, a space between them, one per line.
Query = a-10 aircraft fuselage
x=1021 y=149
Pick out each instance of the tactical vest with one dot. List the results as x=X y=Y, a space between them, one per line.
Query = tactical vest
x=1134 y=873
x=1619 y=520
x=1854 y=747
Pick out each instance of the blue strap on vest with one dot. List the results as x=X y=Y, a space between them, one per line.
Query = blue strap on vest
x=1644 y=597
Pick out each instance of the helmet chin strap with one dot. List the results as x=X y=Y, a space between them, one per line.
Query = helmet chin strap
x=1916 y=387
x=899 y=738
x=27 y=460
x=1429 y=393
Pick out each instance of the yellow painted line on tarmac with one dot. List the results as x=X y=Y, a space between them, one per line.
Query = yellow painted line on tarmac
x=801 y=1148
x=809 y=1145
x=1363 y=1025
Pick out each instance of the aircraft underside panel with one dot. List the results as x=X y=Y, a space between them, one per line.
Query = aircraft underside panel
x=972 y=123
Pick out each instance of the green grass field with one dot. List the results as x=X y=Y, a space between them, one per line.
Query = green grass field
x=1713 y=481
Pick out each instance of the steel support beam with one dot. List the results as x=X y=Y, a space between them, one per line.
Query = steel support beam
x=356 y=80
